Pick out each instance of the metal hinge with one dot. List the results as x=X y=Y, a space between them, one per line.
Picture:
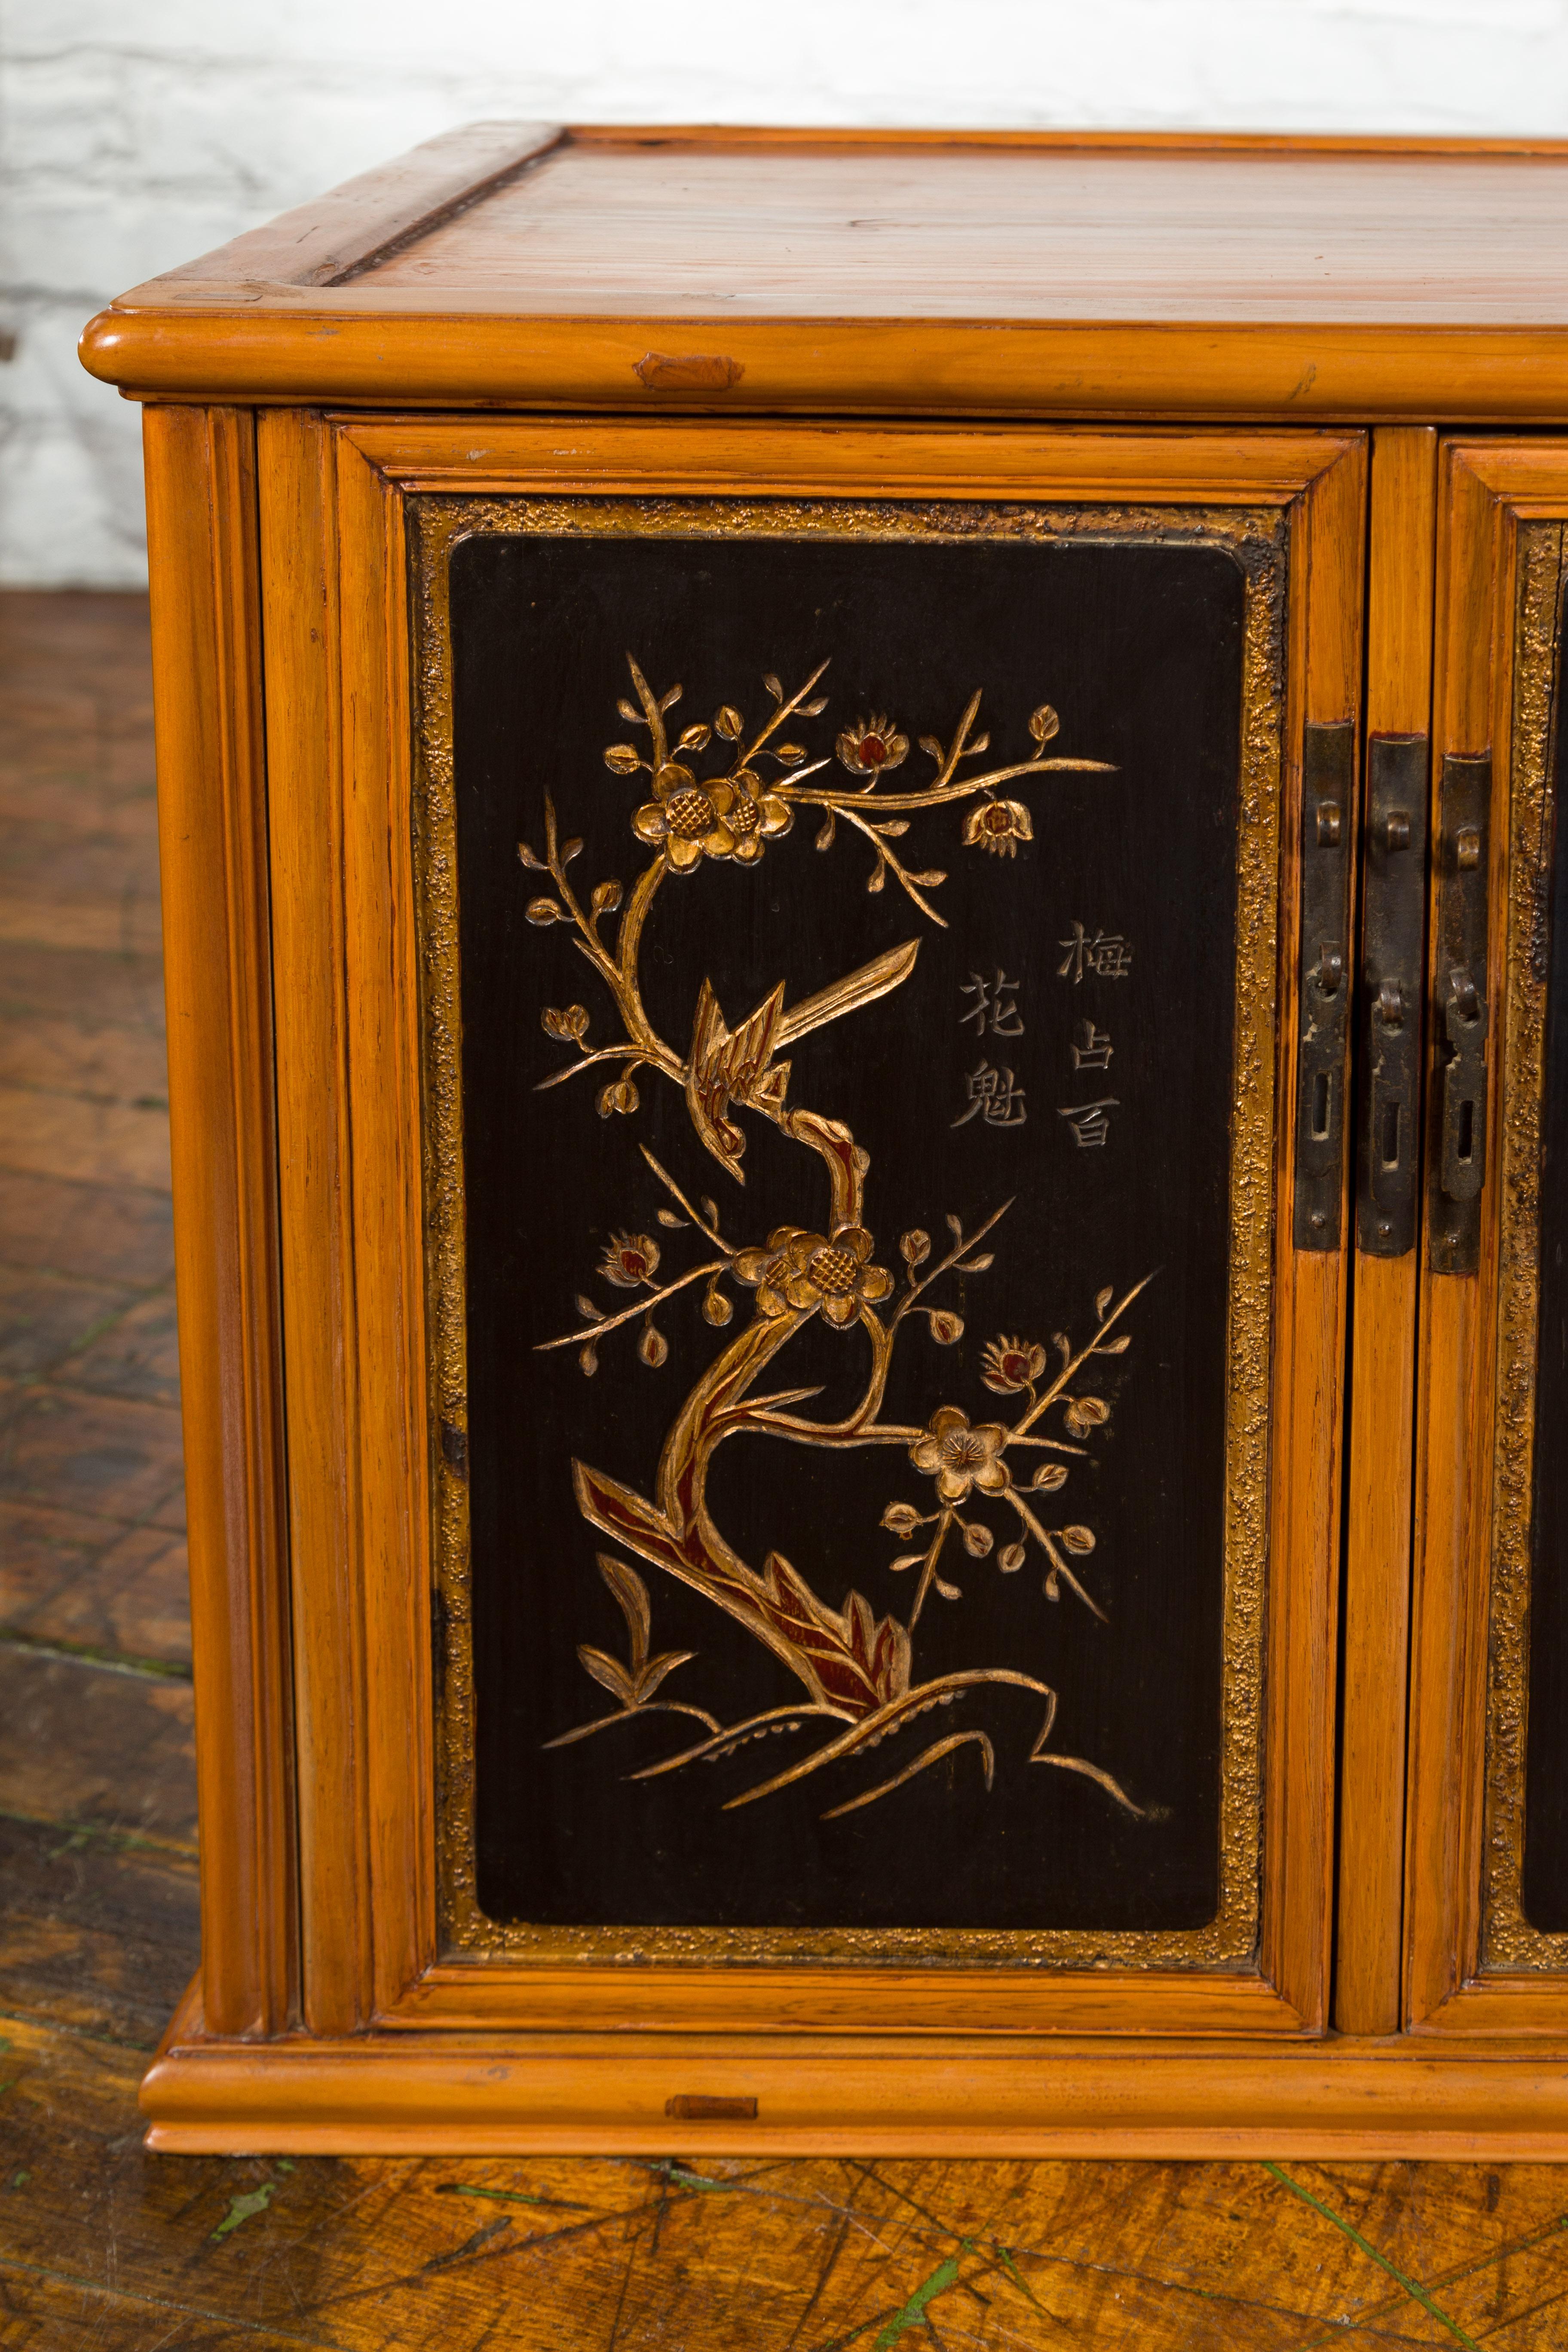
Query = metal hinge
x=1459 y=1008
x=1327 y=784
x=1393 y=926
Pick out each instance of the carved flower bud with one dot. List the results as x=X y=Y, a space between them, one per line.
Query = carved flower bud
x=729 y=721
x=1011 y=1561
x=544 y=910
x=716 y=1307
x=1085 y=1413
x=914 y=1248
x=653 y=1347
x=572 y=1022
x=621 y=760
x=1049 y=1476
x=1080 y=1539
x=946 y=1328
x=901 y=1519
x=622 y=1096
x=1043 y=723
x=978 y=1540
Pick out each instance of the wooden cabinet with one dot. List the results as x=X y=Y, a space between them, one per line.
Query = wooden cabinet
x=863 y=969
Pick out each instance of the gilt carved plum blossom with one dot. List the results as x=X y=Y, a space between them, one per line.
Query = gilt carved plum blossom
x=719 y=789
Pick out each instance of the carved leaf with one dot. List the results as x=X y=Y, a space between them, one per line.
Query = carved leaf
x=587 y=1306
x=774 y=688
x=933 y=749
x=629 y=711
x=906 y=1559
x=1102 y=1299
x=981 y=743
x=1116 y=1347
x=825 y=839
x=588 y=1361
x=654 y=1673
x=527 y=857
x=632 y=1593
x=667 y=701
x=814 y=710
x=978 y=1264
x=608 y=1672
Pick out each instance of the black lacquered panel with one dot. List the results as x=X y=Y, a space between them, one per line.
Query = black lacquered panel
x=885 y=1487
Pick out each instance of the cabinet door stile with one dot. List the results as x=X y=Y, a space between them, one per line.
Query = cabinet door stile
x=1381 y=1440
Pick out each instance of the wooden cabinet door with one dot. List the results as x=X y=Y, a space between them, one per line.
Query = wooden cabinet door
x=810 y=976
x=1487 y=1908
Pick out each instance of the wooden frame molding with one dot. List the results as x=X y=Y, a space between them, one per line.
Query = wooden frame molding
x=597 y=2094
x=212 y=813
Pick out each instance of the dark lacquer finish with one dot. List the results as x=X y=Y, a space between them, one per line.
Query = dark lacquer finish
x=1057 y=1046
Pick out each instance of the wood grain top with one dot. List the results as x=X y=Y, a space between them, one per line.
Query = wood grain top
x=1034 y=233
x=1047 y=274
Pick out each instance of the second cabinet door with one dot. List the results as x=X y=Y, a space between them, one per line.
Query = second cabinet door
x=1487 y=1913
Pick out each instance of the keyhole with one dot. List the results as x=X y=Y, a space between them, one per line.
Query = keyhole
x=1466 y=1144
x=1320 y=1106
x=1391 y=1135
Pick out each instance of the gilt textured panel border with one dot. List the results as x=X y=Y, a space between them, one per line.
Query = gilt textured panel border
x=1258 y=538
x=1507 y=1940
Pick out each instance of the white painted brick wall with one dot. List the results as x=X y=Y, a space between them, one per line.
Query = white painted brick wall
x=136 y=133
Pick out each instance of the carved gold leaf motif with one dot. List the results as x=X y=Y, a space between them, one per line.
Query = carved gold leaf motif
x=852 y=1664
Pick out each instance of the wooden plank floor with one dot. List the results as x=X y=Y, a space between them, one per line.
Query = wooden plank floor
x=104 y=2246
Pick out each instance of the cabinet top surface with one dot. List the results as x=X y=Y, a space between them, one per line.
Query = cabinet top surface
x=968 y=232
x=758 y=232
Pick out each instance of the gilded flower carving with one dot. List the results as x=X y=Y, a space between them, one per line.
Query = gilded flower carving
x=870 y=747
x=688 y=818
x=629 y=1260
x=999 y=825
x=1010 y=1365
x=811 y=1272
x=758 y=816
x=960 y=1456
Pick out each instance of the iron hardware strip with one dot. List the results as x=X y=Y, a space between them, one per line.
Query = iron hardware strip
x=1459 y=1008
x=1392 y=924
x=1328 y=764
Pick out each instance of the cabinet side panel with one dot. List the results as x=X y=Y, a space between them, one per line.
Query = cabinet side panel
x=212 y=807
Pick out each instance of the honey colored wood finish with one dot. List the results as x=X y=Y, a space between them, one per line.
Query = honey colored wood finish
x=1487 y=490
x=785 y=2094
x=201 y=512
x=1044 y=274
x=1402 y=535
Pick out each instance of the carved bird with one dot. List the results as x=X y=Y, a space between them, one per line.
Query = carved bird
x=728 y=1065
